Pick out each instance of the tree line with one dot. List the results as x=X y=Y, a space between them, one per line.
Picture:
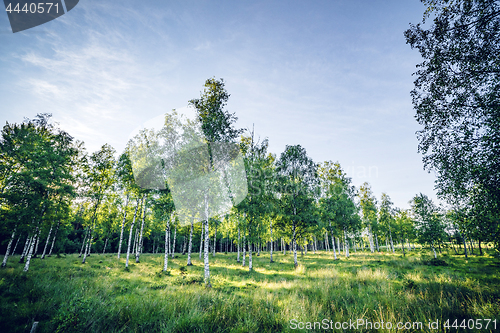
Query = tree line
x=56 y=197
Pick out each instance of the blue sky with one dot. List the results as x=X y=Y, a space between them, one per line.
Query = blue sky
x=333 y=76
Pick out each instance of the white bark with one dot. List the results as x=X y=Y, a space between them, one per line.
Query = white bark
x=244 y=250
x=54 y=239
x=173 y=243
x=30 y=250
x=392 y=244
x=105 y=244
x=25 y=249
x=130 y=234
x=123 y=226
x=84 y=241
x=167 y=246
x=15 y=247
x=189 y=263
x=207 y=240
x=250 y=262
x=434 y=250
x=215 y=241
x=4 y=262
x=47 y=242
x=294 y=241
x=376 y=242
x=346 y=245
x=272 y=243
x=333 y=243
x=370 y=237
x=138 y=249
x=202 y=238
x=239 y=245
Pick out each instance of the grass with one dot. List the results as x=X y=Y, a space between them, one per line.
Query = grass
x=64 y=295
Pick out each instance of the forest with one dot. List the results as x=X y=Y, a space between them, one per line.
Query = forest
x=197 y=227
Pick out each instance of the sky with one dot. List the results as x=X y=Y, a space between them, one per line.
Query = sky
x=333 y=76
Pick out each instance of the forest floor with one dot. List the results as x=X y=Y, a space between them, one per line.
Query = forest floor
x=64 y=295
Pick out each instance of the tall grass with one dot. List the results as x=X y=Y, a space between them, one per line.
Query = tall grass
x=64 y=295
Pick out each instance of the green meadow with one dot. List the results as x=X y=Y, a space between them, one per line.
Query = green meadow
x=64 y=295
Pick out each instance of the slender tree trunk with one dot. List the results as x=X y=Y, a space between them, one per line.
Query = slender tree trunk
x=15 y=247
x=480 y=249
x=403 y=248
x=465 y=246
x=54 y=239
x=244 y=250
x=239 y=245
x=138 y=250
x=37 y=242
x=392 y=244
x=207 y=240
x=294 y=247
x=346 y=246
x=25 y=249
x=167 y=246
x=105 y=244
x=250 y=250
x=30 y=251
x=202 y=238
x=190 y=247
x=123 y=226
x=370 y=238
x=327 y=246
x=47 y=242
x=376 y=242
x=86 y=252
x=173 y=243
x=271 y=247
x=130 y=234
x=333 y=246
x=215 y=241
x=4 y=262
x=434 y=250
x=84 y=241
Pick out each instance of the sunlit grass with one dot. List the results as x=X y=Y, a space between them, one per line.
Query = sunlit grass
x=101 y=296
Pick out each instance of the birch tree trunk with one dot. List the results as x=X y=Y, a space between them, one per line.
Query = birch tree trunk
x=215 y=241
x=130 y=234
x=4 y=262
x=333 y=245
x=346 y=245
x=15 y=247
x=138 y=250
x=54 y=239
x=392 y=244
x=465 y=247
x=25 y=249
x=376 y=242
x=47 y=242
x=123 y=226
x=370 y=238
x=250 y=249
x=244 y=250
x=167 y=246
x=239 y=239
x=207 y=240
x=294 y=241
x=84 y=241
x=105 y=244
x=173 y=243
x=190 y=247
x=272 y=243
x=37 y=242
x=434 y=250
x=202 y=238
x=30 y=250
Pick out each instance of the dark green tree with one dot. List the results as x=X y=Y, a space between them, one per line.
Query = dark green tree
x=457 y=100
